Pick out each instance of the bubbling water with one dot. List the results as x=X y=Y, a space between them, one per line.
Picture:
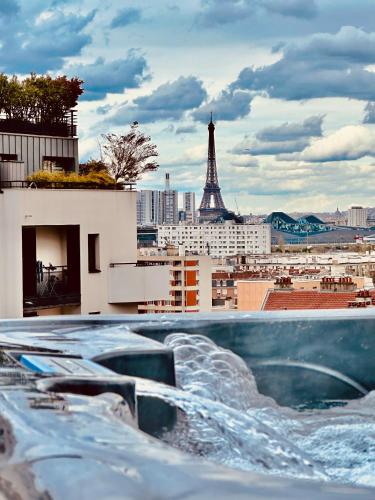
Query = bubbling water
x=216 y=394
x=223 y=418
x=207 y=370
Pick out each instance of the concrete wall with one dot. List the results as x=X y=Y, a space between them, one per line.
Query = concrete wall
x=51 y=245
x=111 y=214
x=129 y=283
x=31 y=149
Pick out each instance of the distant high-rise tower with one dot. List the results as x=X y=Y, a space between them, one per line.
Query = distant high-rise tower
x=149 y=207
x=357 y=216
x=170 y=203
x=211 y=192
x=189 y=207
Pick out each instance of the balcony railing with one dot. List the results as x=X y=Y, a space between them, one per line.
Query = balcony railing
x=52 y=289
x=120 y=186
x=140 y=263
x=176 y=283
x=65 y=128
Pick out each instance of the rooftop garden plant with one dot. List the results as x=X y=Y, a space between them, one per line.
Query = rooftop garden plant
x=38 y=98
x=46 y=179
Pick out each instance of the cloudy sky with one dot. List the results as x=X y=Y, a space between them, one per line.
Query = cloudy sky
x=291 y=84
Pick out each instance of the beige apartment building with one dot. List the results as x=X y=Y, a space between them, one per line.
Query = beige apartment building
x=73 y=251
x=66 y=251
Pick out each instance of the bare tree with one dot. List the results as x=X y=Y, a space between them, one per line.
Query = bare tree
x=129 y=156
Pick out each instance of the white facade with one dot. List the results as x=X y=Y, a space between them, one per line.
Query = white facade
x=357 y=216
x=189 y=207
x=87 y=236
x=218 y=240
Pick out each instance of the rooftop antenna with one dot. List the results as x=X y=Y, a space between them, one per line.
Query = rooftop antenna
x=235 y=201
x=167 y=182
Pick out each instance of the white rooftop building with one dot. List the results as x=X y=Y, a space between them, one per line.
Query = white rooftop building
x=357 y=216
x=218 y=240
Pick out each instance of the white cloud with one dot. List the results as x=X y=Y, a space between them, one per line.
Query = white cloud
x=195 y=155
x=347 y=143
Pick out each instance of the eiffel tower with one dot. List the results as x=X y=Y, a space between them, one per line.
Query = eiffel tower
x=211 y=190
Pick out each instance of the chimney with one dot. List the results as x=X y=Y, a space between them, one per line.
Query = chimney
x=362 y=299
x=342 y=284
x=283 y=283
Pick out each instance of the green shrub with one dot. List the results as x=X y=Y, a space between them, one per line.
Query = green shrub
x=44 y=178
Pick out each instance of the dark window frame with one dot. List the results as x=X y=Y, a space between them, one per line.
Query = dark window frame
x=93 y=241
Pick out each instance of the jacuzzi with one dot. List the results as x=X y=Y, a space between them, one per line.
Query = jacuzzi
x=89 y=408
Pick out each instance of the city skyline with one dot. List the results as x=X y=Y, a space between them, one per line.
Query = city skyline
x=290 y=83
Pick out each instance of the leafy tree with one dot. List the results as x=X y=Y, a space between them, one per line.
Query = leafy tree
x=92 y=166
x=41 y=99
x=129 y=156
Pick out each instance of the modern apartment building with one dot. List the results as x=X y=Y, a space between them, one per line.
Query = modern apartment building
x=357 y=216
x=218 y=240
x=65 y=251
x=149 y=207
x=189 y=207
x=189 y=285
x=170 y=203
x=72 y=251
x=157 y=207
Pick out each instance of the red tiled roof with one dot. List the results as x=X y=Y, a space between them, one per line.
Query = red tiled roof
x=308 y=299
x=243 y=275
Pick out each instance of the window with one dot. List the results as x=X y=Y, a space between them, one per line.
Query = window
x=58 y=164
x=93 y=253
x=7 y=157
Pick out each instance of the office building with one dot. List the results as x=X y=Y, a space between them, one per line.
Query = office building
x=218 y=240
